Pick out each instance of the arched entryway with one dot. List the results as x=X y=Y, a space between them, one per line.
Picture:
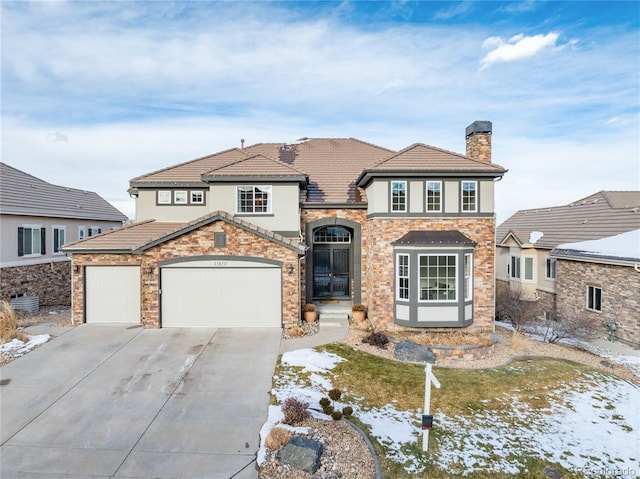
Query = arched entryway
x=333 y=262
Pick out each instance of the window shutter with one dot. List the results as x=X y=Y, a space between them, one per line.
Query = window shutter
x=43 y=235
x=20 y=241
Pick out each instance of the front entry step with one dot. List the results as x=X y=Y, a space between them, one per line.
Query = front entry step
x=334 y=314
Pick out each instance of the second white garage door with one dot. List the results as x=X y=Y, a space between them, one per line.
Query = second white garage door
x=221 y=294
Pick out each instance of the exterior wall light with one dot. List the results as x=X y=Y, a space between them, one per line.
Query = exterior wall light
x=290 y=268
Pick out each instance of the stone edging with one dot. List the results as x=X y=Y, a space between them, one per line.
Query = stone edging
x=376 y=462
x=465 y=351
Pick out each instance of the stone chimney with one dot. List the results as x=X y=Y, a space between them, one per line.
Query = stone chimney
x=478 y=136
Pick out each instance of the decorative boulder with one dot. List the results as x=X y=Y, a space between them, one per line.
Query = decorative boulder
x=409 y=351
x=302 y=453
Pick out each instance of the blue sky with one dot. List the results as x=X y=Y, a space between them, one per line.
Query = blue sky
x=96 y=93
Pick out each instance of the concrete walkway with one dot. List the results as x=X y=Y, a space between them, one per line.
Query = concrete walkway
x=332 y=329
x=118 y=401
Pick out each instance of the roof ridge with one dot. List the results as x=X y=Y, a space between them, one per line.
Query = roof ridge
x=431 y=147
x=257 y=155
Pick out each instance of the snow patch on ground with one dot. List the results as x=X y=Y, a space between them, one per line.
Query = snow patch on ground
x=20 y=348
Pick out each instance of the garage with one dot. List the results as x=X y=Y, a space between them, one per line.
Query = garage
x=233 y=292
x=112 y=294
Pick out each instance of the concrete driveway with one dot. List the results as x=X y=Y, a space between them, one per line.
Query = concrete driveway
x=118 y=401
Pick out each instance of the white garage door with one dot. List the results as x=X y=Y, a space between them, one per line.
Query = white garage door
x=112 y=294
x=231 y=294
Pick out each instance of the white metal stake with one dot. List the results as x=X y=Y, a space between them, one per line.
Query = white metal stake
x=429 y=378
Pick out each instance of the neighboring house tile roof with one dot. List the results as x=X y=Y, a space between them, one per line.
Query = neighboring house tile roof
x=331 y=164
x=602 y=214
x=139 y=237
x=24 y=194
x=621 y=247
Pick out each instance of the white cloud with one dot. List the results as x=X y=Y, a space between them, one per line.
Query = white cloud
x=518 y=47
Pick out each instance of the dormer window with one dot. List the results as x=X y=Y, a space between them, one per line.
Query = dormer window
x=399 y=196
x=254 y=199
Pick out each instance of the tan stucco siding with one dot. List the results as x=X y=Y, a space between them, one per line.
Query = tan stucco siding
x=147 y=208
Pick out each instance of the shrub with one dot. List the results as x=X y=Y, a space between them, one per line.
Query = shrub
x=295 y=332
x=335 y=394
x=328 y=410
x=358 y=307
x=294 y=411
x=347 y=411
x=324 y=402
x=309 y=308
x=9 y=324
x=336 y=415
x=277 y=438
x=378 y=339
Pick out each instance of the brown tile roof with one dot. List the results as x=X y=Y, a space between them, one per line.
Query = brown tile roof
x=141 y=236
x=255 y=166
x=448 y=237
x=420 y=157
x=605 y=213
x=190 y=172
x=332 y=165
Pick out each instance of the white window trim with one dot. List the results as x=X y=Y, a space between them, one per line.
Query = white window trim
x=456 y=290
x=267 y=189
x=547 y=261
x=407 y=277
x=518 y=258
x=161 y=197
x=426 y=206
x=589 y=286
x=82 y=232
x=406 y=197
x=462 y=208
x=94 y=227
x=32 y=227
x=191 y=199
x=468 y=287
x=53 y=239
x=181 y=197
x=523 y=270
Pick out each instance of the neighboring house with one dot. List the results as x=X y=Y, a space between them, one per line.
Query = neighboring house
x=600 y=279
x=526 y=242
x=246 y=236
x=36 y=220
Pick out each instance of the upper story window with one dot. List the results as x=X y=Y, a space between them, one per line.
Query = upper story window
x=550 y=268
x=399 y=196
x=594 y=298
x=437 y=277
x=197 y=197
x=434 y=196
x=59 y=233
x=180 y=197
x=254 y=199
x=331 y=234
x=31 y=240
x=94 y=230
x=164 y=197
x=470 y=196
x=81 y=232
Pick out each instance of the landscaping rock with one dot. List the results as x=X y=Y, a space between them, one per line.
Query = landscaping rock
x=409 y=351
x=302 y=453
x=552 y=473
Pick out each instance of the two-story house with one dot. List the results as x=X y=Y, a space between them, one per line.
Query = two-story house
x=36 y=220
x=538 y=252
x=247 y=236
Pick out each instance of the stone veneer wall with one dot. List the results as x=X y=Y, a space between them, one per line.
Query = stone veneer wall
x=196 y=243
x=620 y=296
x=379 y=267
x=50 y=282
